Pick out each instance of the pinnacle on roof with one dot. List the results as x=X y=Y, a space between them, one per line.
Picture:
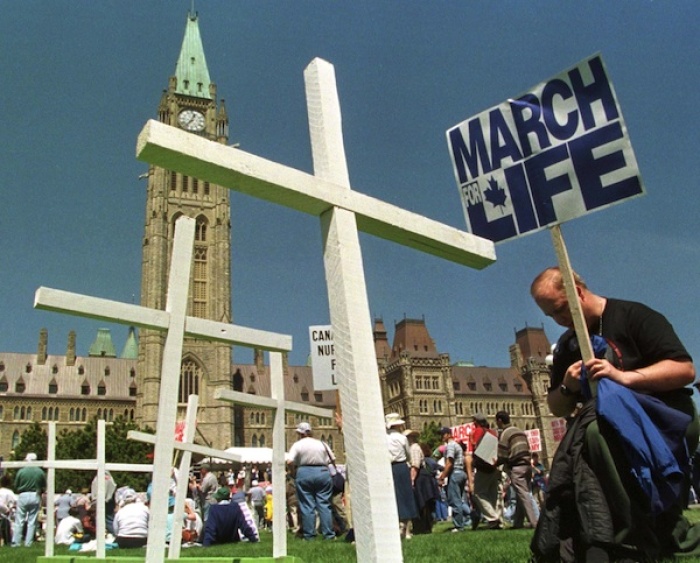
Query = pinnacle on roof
x=102 y=346
x=191 y=70
x=131 y=348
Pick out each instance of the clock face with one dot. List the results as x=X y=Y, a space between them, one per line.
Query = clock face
x=191 y=120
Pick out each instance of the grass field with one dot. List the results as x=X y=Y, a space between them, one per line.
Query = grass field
x=480 y=546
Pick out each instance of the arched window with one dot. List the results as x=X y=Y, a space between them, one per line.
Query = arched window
x=200 y=282
x=200 y=233
x=15 y=439
x=190 y=374
x=71 y=414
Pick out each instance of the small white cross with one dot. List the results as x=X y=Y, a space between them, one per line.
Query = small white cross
x=178 y=325
x=99 y=464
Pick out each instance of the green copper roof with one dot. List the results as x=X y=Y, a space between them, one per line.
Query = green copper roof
x=102 y=346
x=131 y=348
x=191 y=70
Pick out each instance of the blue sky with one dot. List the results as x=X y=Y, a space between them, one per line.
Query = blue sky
x=80 y=79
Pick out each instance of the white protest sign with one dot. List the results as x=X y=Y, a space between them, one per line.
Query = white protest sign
x=556 y=152
x=462 y=432
x=534 y=440
x=558 y=429
x=322 y=357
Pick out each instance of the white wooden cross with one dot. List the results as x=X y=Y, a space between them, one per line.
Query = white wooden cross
x=342 y=211
x=279 y=407
x=174 y=321
x=99 y=464
x=188 y=447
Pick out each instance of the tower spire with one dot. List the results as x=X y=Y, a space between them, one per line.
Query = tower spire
x=191 y=72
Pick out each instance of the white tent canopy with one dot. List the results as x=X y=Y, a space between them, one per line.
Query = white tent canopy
x=249 y=455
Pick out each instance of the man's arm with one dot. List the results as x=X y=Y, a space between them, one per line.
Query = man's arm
x=665 y=375
x=468 y=459
x=447 y=471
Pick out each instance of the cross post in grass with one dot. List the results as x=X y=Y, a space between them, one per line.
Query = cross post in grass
x=280 y=407
x=342 y=211
x=174 y=321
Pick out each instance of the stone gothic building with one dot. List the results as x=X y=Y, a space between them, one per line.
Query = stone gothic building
x=425 y=387
x=417 y=381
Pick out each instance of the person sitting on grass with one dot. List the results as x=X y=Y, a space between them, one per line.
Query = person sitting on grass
x=226 y=521
x=131 y=522
x=70 y=529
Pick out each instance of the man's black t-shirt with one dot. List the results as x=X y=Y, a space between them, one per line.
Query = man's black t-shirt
x=637 y=336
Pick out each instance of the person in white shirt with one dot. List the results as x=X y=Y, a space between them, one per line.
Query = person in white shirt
x=399 y=454
x=311 y=457
x=131 y=522
x=68 y=527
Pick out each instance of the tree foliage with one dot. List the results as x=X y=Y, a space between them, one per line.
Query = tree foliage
x=34 y=440
x=431 y=435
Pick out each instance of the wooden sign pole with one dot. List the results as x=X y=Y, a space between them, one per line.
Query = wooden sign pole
x=567 y=274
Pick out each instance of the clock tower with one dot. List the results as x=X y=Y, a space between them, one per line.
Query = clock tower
x=190 y=103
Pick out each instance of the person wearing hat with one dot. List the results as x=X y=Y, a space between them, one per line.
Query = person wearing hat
x=131 y=521
x=30 y=482
x=399 y=454
x=454 y=475
x=310 y=458
x=226 y=521
x=484 y=478
x=256 y=497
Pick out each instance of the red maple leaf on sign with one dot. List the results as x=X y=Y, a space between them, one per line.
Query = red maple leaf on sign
x=495 y=194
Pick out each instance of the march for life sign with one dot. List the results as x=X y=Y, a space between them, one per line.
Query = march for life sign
x=322 y=357
x=556 y=152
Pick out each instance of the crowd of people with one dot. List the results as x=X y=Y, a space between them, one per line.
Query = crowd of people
x=463 y=482
x=616 y=489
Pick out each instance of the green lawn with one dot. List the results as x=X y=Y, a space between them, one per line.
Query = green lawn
x=488 y=546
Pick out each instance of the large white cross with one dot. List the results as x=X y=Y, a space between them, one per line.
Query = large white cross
x=174 y=321
x=99 y=464
x=342 y=211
